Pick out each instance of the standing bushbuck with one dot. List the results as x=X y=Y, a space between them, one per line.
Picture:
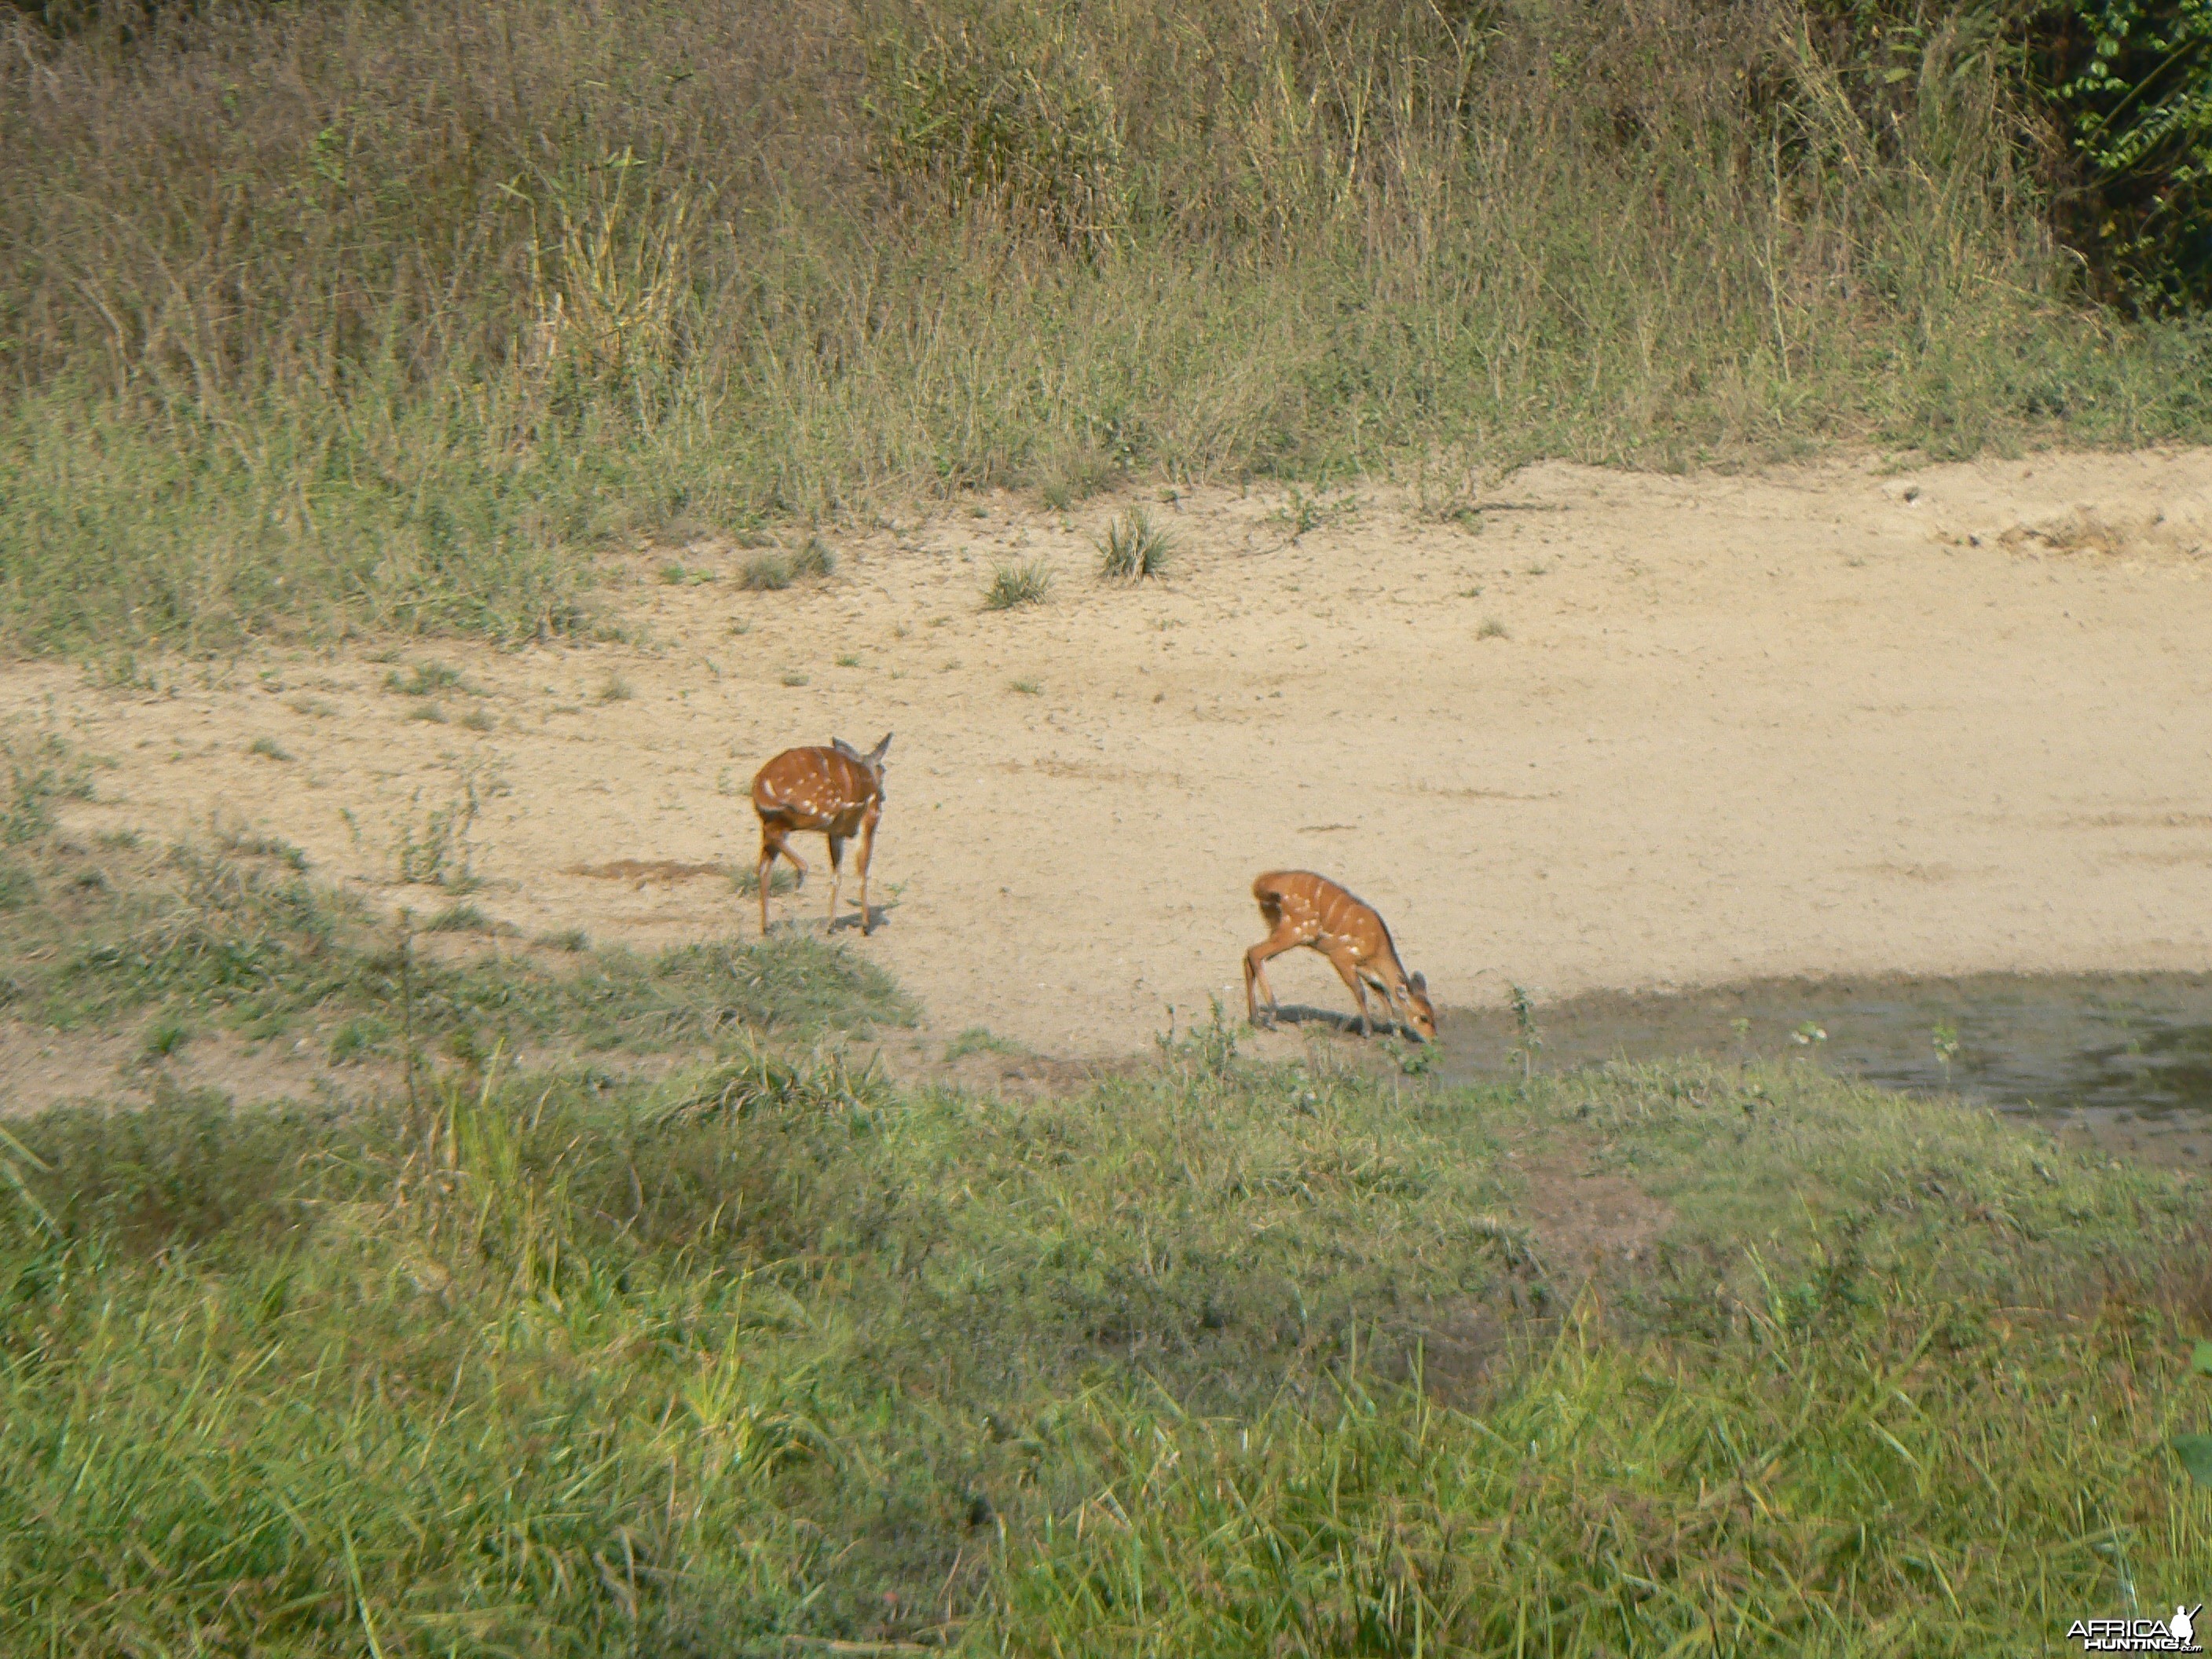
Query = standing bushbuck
x=1304 y=909
x=838 y=791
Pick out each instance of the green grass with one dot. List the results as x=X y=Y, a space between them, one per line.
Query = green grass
x=1014 y=586
x=452 y=335
x=979 y=1040
x=781 y=880
x=424 y=679
x=769 y=1348
x=1134 y=549
x=766 y=572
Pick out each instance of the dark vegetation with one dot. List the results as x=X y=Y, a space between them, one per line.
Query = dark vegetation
x=345 y=314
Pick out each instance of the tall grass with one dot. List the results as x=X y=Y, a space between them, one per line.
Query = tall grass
x=339 y=316
x=768 y=1350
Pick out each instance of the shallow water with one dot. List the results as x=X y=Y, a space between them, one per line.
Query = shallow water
x=2124 y=1058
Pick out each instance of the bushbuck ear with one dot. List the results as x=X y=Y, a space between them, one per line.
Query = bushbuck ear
x=844 y=749
x=876 y=757
x=1421 y=983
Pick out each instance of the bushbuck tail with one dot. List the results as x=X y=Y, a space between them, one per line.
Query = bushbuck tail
x=838 y=791
x=1304 y=909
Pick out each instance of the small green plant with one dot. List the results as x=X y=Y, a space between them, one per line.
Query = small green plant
x=1809 y=1032
x=34 y=773
x=816 y=559
x=427 y=712
x=269 y=749
x=1013 y=585
x=1491 y=628
x=1210 y=1048
x=1944 y=1039
x=1025 y=688
x=358 y=1036
x=793 y=677
x=423 y=680
x=1134 y=549
x=979 y=1040
x=436 y=852
x=1412 y=1059
x=848 y=660
x=479 y=720
x=1529 y=1039
x=781 y=880
x=1301 y=513
x=573 y=940
x=243 y=843
x=1298 y=514
x=461 y=918
x=766 y=572
x=613 y=689
x=165 y=1035
x=673 y=574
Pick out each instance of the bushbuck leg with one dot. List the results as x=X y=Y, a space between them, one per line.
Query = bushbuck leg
x=1341 y=958
x=867 y=851
x=1287 y=936
x=836 y=879
x=773 y=842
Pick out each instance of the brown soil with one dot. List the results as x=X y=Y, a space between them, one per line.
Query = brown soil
x=1584 y=1219
x=1821 y=719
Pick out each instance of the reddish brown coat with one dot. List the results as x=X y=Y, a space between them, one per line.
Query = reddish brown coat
x=1304 y=909
x=837 y=790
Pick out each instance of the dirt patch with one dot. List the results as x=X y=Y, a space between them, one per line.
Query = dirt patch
x=639 y=871
x=40 y=1068
x=1582 y=1218
x=1724 y=728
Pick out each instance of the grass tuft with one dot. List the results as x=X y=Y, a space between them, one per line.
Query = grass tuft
x=424 y=679
x=1134 y=549
x=1015 y=584
x=766 y=572
x=461 y=918
x=746 y=880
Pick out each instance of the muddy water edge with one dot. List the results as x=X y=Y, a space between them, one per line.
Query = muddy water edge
x=2123 y=1060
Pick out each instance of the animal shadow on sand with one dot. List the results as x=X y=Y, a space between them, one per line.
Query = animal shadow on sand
x=1299 y=1014
x=878 y=914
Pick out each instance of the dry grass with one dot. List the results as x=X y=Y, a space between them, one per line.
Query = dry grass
x=333 y=316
